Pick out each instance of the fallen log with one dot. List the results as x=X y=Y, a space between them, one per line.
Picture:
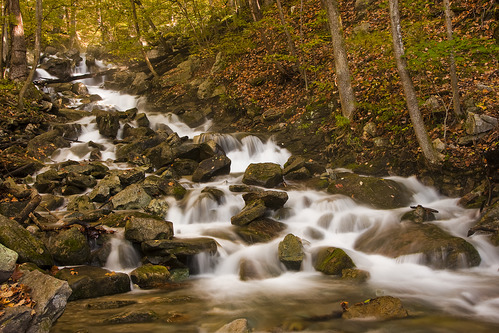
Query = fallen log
x=43 y=81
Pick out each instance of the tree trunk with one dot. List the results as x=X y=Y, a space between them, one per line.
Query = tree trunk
x=3 y=41
x=344 y=81
x=137 y=29
x=453 y=74
x=162 y=41
x=291 y=43
x=18 y=63
x=429 y=151
x=38 y=38
x=73 y=41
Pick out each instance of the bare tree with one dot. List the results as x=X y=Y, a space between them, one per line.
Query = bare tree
x=289 y=39
x=18 y=69
x=3 y=44
x=139 y=37
x=453 y=73
x=429 y=151
x=38 y=38
x=344 y=81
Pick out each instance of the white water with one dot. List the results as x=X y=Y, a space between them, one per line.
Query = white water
x=320 y=220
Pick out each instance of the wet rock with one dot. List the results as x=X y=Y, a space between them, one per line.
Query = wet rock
x=80 y=203
x=140 y=84
x=79 y=89
x=132 y=197
x=377 y=192
x=16 y=163
x=160 y=155
x=271 y=199
x=80 y=181
x=108 y=123
x=297 y=165
x=291 y=252
x=215 y=194
x=106 y=188
x=150 y=276
x=158 y=207
x=184 y=167
x=106 y=305
x=15 y=319
x=156 y=186
x=380 y=308
x=237 y=326
x=94 y=169
x=58 y=67
x=69 y=247
x=132 y=317
x=437 y=248
x=179 y=246
x=141 y=228
x=211 y=167
x=18 y=239
x=85 y=217
x=12 y=209
x=488 y=223
x=43 y=145
x=263 y=174
x=355 y=274
x=420 y=214
x=250 y=269
x=90 y=282
x=252 y=211
x=261 y=230
x=332 y=261
x=131 y=176
x=130 y=134
x=20 y=191
x=8 y=259
x=50 y=295
x=46 y=182
x=142 y=120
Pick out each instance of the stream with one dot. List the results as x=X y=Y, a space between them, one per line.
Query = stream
x=461 y=300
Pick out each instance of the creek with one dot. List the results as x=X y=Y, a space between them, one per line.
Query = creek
x=438 y=300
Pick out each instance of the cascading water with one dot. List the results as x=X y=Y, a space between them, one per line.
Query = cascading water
x=461 y=300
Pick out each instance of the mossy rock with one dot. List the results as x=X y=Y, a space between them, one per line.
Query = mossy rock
x=332 y=261
x=377 y=192
x=150 y=276
x=140 y=229
x=20 y=240
x=267 y=175
x=70 y=247
x=291 y=252
x=380 y=308
x=261 y=230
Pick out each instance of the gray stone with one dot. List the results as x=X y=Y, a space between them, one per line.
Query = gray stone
x=291 y=252
x=261 y=230
x=236 y=326
x=69 y=247
x=8 y=259
x=211 y=167
x=380 y=308
x=132 y=197
x=263 y=174
x=252 y=211
x=150 y=276
x=180 y=246
x=140 y=229
x=106 y=188
x=479 y=123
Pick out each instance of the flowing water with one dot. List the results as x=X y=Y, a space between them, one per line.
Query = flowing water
x=462 y=300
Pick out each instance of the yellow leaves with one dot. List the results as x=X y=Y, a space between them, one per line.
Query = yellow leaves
x=15 y=294
x=110 y=274
x=73 y=272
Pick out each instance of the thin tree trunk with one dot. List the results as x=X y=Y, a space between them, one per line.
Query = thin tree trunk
x=18 y=63
x=153 y=27
x=453 y=73
x=2 y=41
x=38 y=38
x=291 y=44
x=429 y=151
x=73 y=43
x=344 y=81
x=137 y=29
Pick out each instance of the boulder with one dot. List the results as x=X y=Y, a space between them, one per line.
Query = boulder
x=16 y=319
x=140 y=84
x=8 y=259
x=184 y=167
x=58 y=67
x=131 y=317
x=80 y=203
x=131 y=176
x=79 y=89
x=108 y=123
x=141 y=228
x=51 y=202
x=179 y=246
x=150 y=276
x=50 y=295
x=355 y=274
x=18 y=239
x=380 y=308
x=211 y=167
x=332 y=260
x=106 y=188
x=236 y=326
x=271 y=199
x=132 y=197
x=80 y=181
x=479 y=123
x=261 y=230
x=437 y=248
x=252 y=211
x=263 y=174
x=158 y=208
x=90 y=282
x=46 y=182
x=377 y=192
x=250 y=269
x=42 y=146
x=160 y=155
x=69 y=247
x=291 y=252
x=488 y=223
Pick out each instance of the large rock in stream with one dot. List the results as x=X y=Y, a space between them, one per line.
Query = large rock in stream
x=8 y=259
x=18 y=239
x=141 y=228
x=267 y=175
x=489 y=224
x=69 y=247
x=377 y=192
x=332 y=261
x=380 y=308
x=211 y=167
x=291 y=252
x=437 y=248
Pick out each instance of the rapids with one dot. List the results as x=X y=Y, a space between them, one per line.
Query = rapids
x=462 y=300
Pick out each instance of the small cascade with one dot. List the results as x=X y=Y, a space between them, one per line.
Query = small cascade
x=123 y=257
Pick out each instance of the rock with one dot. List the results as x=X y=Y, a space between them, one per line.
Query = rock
x=106 y=188
x=160 y=155
x=90 y=282
x=80 y=181
x=15 y=319
x=140 y=229
x=332 y=260
x=50 y=295
x=43 y=145
x=237 y=326
x=142 y=120
x=150 y=276
x=20 y=191
x=131 y=176
x=271 y=199
x=488 y=223
x=380 y=308
x=173 y=188
x=18 y=239
x=80 y=203
x=140 y=84
x=261 y=230
x=46 y=182
x=355 y=274
x=479 y=123
x=51 y=202
x=252 y=211
x=132 y=197
x=437 y=248
x=158 y=207
x=108 y=123
x=299 y=174
x=377 y=192
x=211 y=167
x=369 y=130
x=185 y=167
x=58 y=67
x=132 y=317
x=182 y=73
x=8 y=259
x=263 y=174
x=154 y=185
x=420 y=214
x=69 y=247
x=250 y=269
x=79 y=89
x=179 y=246
x=291 y=252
